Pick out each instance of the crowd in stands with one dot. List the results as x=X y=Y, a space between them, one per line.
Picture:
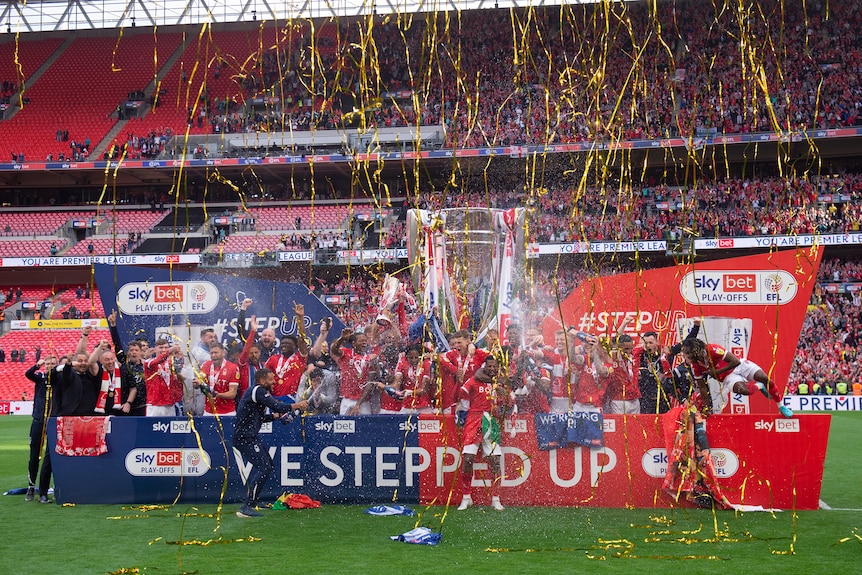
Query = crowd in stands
x=831 y=336
x=496 y=77
x=139 y=146
x=537 y=95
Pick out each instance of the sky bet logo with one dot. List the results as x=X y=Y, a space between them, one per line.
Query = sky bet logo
x=163 y=462
x=740 y=283
x=733 y=287
x=160 y=294
x=336 y=426
x=144 y=298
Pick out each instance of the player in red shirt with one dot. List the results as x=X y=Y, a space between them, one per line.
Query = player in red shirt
x=741 y=376
x=457 y=366
x=622 y=393
x=562 y=391
x=485 y=405
x=163 y=381
x=290 y=365
x=590 y=366
x=413 y=377
x=356 y=366
x=222 y=379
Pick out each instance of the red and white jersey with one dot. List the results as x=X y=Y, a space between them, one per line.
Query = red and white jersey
x=220 y=379
x=483 y=397
x=288 y=371
x=714 y=361
x=164 y=387
x=412 y=378
x=587 y=389
x=452 y=363
x=559 y=363
x=354 y=372
x=621 y=384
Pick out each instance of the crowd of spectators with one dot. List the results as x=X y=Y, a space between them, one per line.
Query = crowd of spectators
x=731 y=207
x=829 y=343
x=683 y=82
x=495 y=77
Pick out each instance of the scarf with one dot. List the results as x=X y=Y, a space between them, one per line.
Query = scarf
x=110 y=383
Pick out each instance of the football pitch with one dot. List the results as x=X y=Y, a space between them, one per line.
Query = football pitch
x=339 y=539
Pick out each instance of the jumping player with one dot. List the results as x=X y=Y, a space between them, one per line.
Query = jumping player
x=741 y=376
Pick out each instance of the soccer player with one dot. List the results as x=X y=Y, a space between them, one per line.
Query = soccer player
x=622 y=393
x=590 y=367
x=164 y=383
x=457 y=366
x=356 y=366
x=413 y=377
x=251 y=414
x=222 y=381
x=485 y=405
x=290 y=365
x=741 y=376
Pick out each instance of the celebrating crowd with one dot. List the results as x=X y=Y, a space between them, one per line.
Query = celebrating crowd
x=489 y=86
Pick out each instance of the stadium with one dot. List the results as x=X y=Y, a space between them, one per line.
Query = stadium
x=258 y=147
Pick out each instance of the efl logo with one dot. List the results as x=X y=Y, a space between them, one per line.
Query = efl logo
x=344 y=426
x=787 y=425
x=168 y=294
x=740 y=283
x=429 y=426
x=169 y=458
x=726 y=462
x=725 y=243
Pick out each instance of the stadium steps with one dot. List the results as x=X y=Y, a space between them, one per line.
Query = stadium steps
x=148 y=90
x=15 y=103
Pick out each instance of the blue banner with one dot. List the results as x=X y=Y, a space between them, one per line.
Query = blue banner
x=555 y=430
x=159 y=302
x=160 y=459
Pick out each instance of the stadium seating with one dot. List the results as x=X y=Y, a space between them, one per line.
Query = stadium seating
x=123 y=222
x=318 y=217
x=101 y=246
x=13 y=384
x=81 y=90
x=234 y=50
x=39 y=222
x=25 y=248
x=245 y=242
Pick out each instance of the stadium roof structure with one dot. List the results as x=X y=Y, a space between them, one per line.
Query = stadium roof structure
x=62 y=15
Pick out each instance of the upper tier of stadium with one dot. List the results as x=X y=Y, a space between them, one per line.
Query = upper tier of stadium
x=537 y=75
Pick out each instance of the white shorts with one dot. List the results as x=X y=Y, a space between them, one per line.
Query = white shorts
x=624 y=407
x=744 y=372
x=348 y=404
x=488 y=449
x=161 y=411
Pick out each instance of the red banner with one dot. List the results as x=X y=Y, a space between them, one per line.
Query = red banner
x=752 y=305
x=760 y=460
